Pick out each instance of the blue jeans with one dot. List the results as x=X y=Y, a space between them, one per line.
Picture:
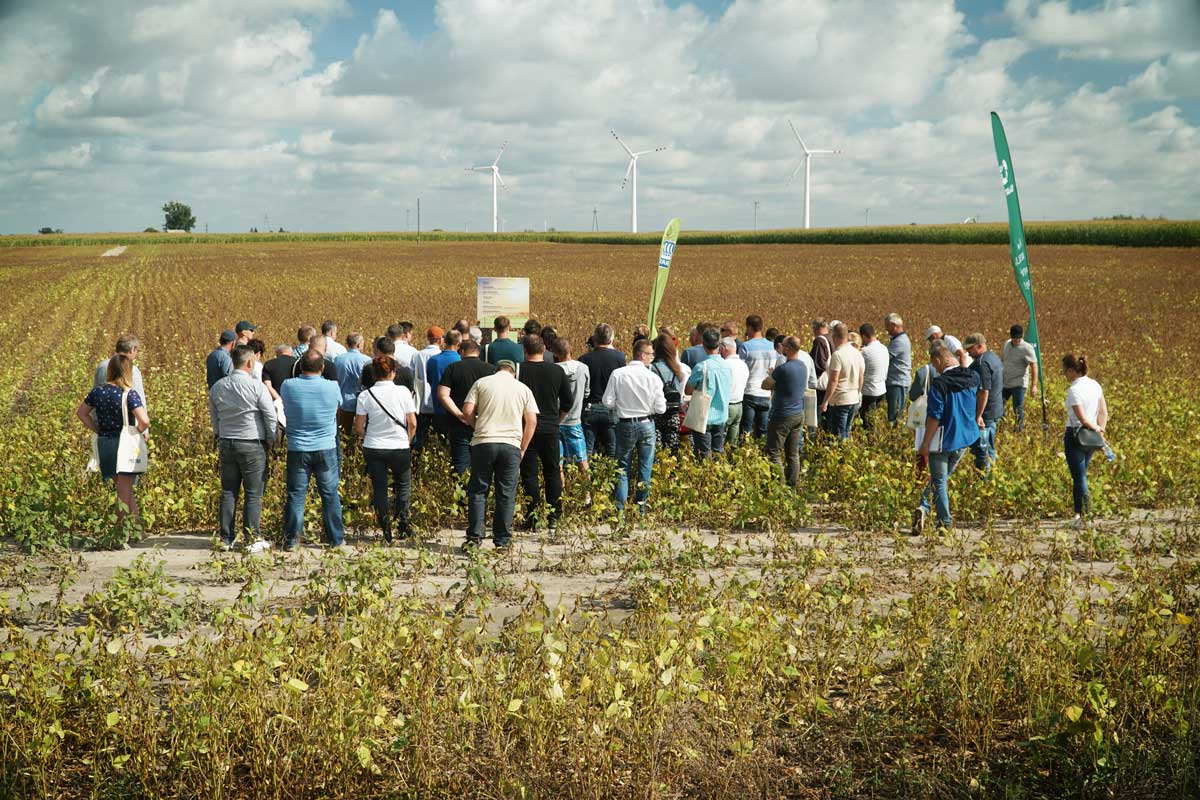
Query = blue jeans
x=754 y=415
x=500 y=463
x=322 y=465
x=1017 y=393
x=632 y=436
x=840 y=418
x=1077 y=463
x=897 y=399
x=711 y=440
x=460 y=446
x=941 y=466
x=984 y=448
x=599 y=429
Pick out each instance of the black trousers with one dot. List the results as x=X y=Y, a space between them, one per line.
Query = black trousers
x=543 y=452
x=398 y=465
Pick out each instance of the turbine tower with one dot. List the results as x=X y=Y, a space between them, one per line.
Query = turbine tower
x=494 y=168
x=631 y=171
x=807 y=165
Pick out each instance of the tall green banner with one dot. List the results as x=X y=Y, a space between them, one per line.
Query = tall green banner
x=665 y=252
x=1016 y=246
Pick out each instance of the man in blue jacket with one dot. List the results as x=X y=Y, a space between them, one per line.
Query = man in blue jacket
x=950 y=428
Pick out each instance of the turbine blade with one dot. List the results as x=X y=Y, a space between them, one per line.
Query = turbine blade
x=500 y=178
x=628 y=172
x=497 y=161
x=796 y=133
x=623 y=147
x=796 y=171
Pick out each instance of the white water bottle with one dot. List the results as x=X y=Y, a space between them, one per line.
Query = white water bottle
x=1108 y=453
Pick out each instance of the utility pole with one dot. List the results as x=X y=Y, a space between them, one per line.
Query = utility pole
x=866 y=217
x=418 y=220
x=595 y=220
x=756 y=216
x=267 y=222
x=407 y=226
x=206 y=229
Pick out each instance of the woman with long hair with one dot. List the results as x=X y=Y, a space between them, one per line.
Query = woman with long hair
x=674 y=375
x=107 y=421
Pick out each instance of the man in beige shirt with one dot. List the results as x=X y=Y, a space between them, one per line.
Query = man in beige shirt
x=843 y=394
x=504 y=415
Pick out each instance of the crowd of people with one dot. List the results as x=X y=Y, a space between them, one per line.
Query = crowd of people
x=517 y=407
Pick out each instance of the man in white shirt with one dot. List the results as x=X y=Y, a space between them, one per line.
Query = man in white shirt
x=934 y=333
x=128 y=345
x=876 y=361
x=425 y=392
x=504 y=415
x=333 y=348
x=406 y=354
x=636 y=394
x=737 y=392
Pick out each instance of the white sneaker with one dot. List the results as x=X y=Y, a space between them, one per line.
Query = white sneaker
x=1077 y=523
x=259 y=546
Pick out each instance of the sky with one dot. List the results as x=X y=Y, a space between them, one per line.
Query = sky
x=320 y=115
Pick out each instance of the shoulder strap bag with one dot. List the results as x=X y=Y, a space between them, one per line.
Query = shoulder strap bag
x=132 y=452
x=391 y=416
x=919 y=408
x=696 y=418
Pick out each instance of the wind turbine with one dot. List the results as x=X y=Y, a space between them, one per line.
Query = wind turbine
x=496 y=179
x=807 y=164
x=631 y=171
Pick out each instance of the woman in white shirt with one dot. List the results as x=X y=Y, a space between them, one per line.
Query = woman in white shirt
x=385 y=419
x=1086 y=408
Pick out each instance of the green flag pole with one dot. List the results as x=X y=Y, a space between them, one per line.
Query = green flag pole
x=1017 y=251
x=665 y=252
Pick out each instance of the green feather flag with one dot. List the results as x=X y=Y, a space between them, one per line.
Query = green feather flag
x=665 y=252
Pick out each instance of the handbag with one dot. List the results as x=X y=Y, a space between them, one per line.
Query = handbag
x=93 y=464
x=696 y=418
x=918 y=409
x=1088 y=439
x=133 y=454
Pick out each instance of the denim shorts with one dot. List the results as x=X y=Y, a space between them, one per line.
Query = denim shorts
x=572 y=447
x=106 y=450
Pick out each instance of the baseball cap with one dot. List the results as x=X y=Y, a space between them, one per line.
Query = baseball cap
x=974 y=339
x=931 y=331
x=435 y=332
x=245 y=325
x=228 y=336
x=504 y=362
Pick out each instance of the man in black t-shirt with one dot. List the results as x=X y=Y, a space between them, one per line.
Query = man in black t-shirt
x=386 y=346
x=456 y=382
x=278 y=369
x=554 y=396
x=600 y=421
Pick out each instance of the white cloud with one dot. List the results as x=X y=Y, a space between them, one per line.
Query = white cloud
x=1134 y=30
x=224 y=103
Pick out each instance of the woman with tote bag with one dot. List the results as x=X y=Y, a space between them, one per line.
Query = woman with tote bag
x=120 y=428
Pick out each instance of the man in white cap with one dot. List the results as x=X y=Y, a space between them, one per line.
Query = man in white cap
x=934 y=333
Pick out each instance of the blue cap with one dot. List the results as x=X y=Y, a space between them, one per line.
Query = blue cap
x=228 y=336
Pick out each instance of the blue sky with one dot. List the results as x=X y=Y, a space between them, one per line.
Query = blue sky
x=338 y=114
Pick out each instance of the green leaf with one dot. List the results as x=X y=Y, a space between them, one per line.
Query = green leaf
x=112 y=719
x=1073 y=713
x=297 y=685
x=515 y=704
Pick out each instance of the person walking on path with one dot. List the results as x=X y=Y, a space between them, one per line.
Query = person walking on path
x=950 y=428
x=503 y=413
x=637 y=396
x=384 y=417
x=244 y=427
x=1086 y=409
x=1020 y=372
x=310 y=404
x=785 y=430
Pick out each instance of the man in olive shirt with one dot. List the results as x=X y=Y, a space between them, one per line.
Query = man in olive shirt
x=552 y=393
x=452 y=391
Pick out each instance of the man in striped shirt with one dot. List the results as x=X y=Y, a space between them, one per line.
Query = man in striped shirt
x=760 y=357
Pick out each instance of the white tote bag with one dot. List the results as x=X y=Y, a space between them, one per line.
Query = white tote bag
x=132 y=451
x=696 y=418
x=919 y=407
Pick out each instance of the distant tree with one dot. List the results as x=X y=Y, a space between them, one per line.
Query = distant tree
x=179 y=217
x=150 y=230
x=49 y=230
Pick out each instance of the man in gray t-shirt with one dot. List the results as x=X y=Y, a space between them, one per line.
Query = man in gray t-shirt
x=1020 y=371
x=899 y=373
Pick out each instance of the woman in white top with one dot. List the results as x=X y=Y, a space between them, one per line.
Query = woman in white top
x=385 y=418
x=1086 y=408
